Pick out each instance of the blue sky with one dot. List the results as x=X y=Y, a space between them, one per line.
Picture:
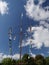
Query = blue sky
x=11 y=17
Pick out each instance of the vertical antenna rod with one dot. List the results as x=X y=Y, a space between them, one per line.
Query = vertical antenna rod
x=20 y=40
x=10 y=40
x=30 y=39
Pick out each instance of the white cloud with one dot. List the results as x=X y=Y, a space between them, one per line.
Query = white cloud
x=41 y=32
x=41 y=37
x=45 y=24
x=1 y=54
x=3 y=7
x=37 y=12
x=15 y=56
x=41 y=2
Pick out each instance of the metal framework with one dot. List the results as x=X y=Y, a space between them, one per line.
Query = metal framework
x=20 y=40
x=10 y=40
x=21 y=32
x=30 y=47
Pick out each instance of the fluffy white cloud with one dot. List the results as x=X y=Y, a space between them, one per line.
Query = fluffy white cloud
x=44 y=24
x=3 y=7
x=40 y=33
x=15 y=56
x=37 y=12
x=40 y=37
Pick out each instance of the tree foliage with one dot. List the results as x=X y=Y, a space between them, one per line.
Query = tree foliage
x=47 y=60
x=8 y=61
x=40 y=60
x=27 y=60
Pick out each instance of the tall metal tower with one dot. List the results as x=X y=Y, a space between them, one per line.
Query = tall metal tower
x=20 y=39
x=21 y=32
x=10 y=40
x=30 y=47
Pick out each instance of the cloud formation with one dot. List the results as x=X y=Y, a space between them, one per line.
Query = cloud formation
x=15 y=56
x=40 y=37
x=41 y=32
x=3 y=7
x=36 y=11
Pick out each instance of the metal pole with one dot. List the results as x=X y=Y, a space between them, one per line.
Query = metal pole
x=30 y=39
x=10 y=40
x=20 y=43
x=21 y=39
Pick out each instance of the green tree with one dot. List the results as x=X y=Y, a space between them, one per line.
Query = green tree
x=40 y=60
x=8 y=61
x=13 y=62
x=18 y=62
x=31 y=61
x=28 y=60
x=47 y=60
x=0 y=63
x=25 y=57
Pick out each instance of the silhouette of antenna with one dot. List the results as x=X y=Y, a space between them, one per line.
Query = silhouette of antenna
x=21 y=32
x=10 y=34
x=10 y=40
x=30 y=47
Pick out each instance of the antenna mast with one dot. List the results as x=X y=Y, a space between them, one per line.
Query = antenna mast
x=21 y=39
x=10 y=40
x=30 y=40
